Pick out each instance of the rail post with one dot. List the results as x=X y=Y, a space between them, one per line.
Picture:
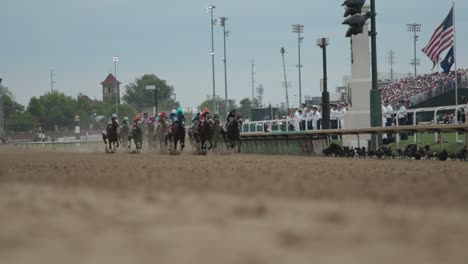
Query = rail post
x=456 y=121
x=435 y=122
x=414 y=120
x=77 y=127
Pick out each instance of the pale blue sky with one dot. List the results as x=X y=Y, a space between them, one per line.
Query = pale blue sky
x=172 y=39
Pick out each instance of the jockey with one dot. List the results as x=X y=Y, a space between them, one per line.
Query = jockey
x=230 y=117
x=204 y=115
x=163 y=116
x=196 y=117
x=136 y=120
x=150 y=121
x=216 y=116
x=172 y=115
x=180 y=114
x=125 y=121
x=111 y=119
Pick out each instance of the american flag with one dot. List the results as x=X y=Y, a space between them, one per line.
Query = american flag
x=441 y=40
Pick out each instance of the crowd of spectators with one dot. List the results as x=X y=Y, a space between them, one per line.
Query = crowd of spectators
x=407 y=89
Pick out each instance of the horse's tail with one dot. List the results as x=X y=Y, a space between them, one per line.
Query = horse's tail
x=104 y=137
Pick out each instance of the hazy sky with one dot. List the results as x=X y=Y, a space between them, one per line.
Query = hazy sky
x=172 y=39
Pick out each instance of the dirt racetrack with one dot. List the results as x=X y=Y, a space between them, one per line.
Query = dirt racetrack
x=58 y=207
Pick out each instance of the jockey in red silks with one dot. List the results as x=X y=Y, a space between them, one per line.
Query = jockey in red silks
x=136 y=119
x=204 y=116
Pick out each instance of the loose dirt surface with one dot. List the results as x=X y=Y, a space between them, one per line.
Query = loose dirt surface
x=59 y=207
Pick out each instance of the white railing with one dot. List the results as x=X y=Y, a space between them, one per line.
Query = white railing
x=280 y=125
x=284 y=125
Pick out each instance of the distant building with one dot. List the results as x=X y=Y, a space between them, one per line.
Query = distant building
x=109 y=91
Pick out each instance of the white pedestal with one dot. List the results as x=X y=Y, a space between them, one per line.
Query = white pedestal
x=359 y=89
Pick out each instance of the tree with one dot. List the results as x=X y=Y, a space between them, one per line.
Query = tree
x=10 y=106
x=140 y=98
x=221 y=105
x=21 y=122
x=106 y=109
x=245 y=108
x=53 y=109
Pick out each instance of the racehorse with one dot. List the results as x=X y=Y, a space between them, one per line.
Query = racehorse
x=152 y=138
x=205 y=134
x=216 y=133
x=232 y=135
x=193 y=134
x=137 y=135
x=177 y=135
x=123 y=135
x=161 y=135
x=111 y=135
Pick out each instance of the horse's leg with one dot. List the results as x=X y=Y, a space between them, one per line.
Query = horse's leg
x=211 y=144
x=105 y=141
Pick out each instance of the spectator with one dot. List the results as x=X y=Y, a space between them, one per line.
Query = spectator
x=402 y=118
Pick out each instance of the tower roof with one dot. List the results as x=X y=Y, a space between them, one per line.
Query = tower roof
x=110 y=80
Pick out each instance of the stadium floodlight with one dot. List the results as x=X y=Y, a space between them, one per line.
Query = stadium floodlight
x=210 y=9
x=299 y=29
x=415 y=28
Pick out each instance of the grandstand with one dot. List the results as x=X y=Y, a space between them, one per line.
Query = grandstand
x=434 y=89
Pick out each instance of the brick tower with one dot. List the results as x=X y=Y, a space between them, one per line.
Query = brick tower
x=109 y=89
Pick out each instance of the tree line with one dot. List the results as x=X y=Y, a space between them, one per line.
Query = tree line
x=56 y=111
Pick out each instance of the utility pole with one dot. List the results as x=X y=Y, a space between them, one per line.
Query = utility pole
x=253 y=83
x=391 y=61
x=375 y=93
x=116 y=90
x=415 y=28
x=210 y=10
x=1 y=109
x=285 y=80
x=225 y=34
x=323 y=43
x=52 y=81
x=299 y=29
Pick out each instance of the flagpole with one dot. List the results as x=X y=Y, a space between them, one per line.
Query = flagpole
x=455 y=54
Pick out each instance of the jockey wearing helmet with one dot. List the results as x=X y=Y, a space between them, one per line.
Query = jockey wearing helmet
x=136 y=120
x=111 y=120
x=230 y=117
x=125 y=121
x=172 y=115
x=163 y=116
x=206 y=112
x=180 y=115
x=216 y=116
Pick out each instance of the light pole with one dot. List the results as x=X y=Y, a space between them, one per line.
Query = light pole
x=323 y=43
x=115 y=59
x=299 y=29
x=210 y=10
x=150 y=88
x=1 y=109
x=415 y=28
x=285 y=80
x=225 y=34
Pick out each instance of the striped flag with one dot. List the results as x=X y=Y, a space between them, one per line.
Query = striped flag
x=442 y=39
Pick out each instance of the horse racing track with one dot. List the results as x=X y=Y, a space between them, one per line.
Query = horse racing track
x=59 y=207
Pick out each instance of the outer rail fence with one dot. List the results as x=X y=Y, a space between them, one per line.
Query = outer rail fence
x=283 y=125
x=375 y=131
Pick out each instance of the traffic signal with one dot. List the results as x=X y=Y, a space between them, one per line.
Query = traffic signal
x=357 y=21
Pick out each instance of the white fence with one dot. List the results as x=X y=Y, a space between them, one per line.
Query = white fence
x=289 y=125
